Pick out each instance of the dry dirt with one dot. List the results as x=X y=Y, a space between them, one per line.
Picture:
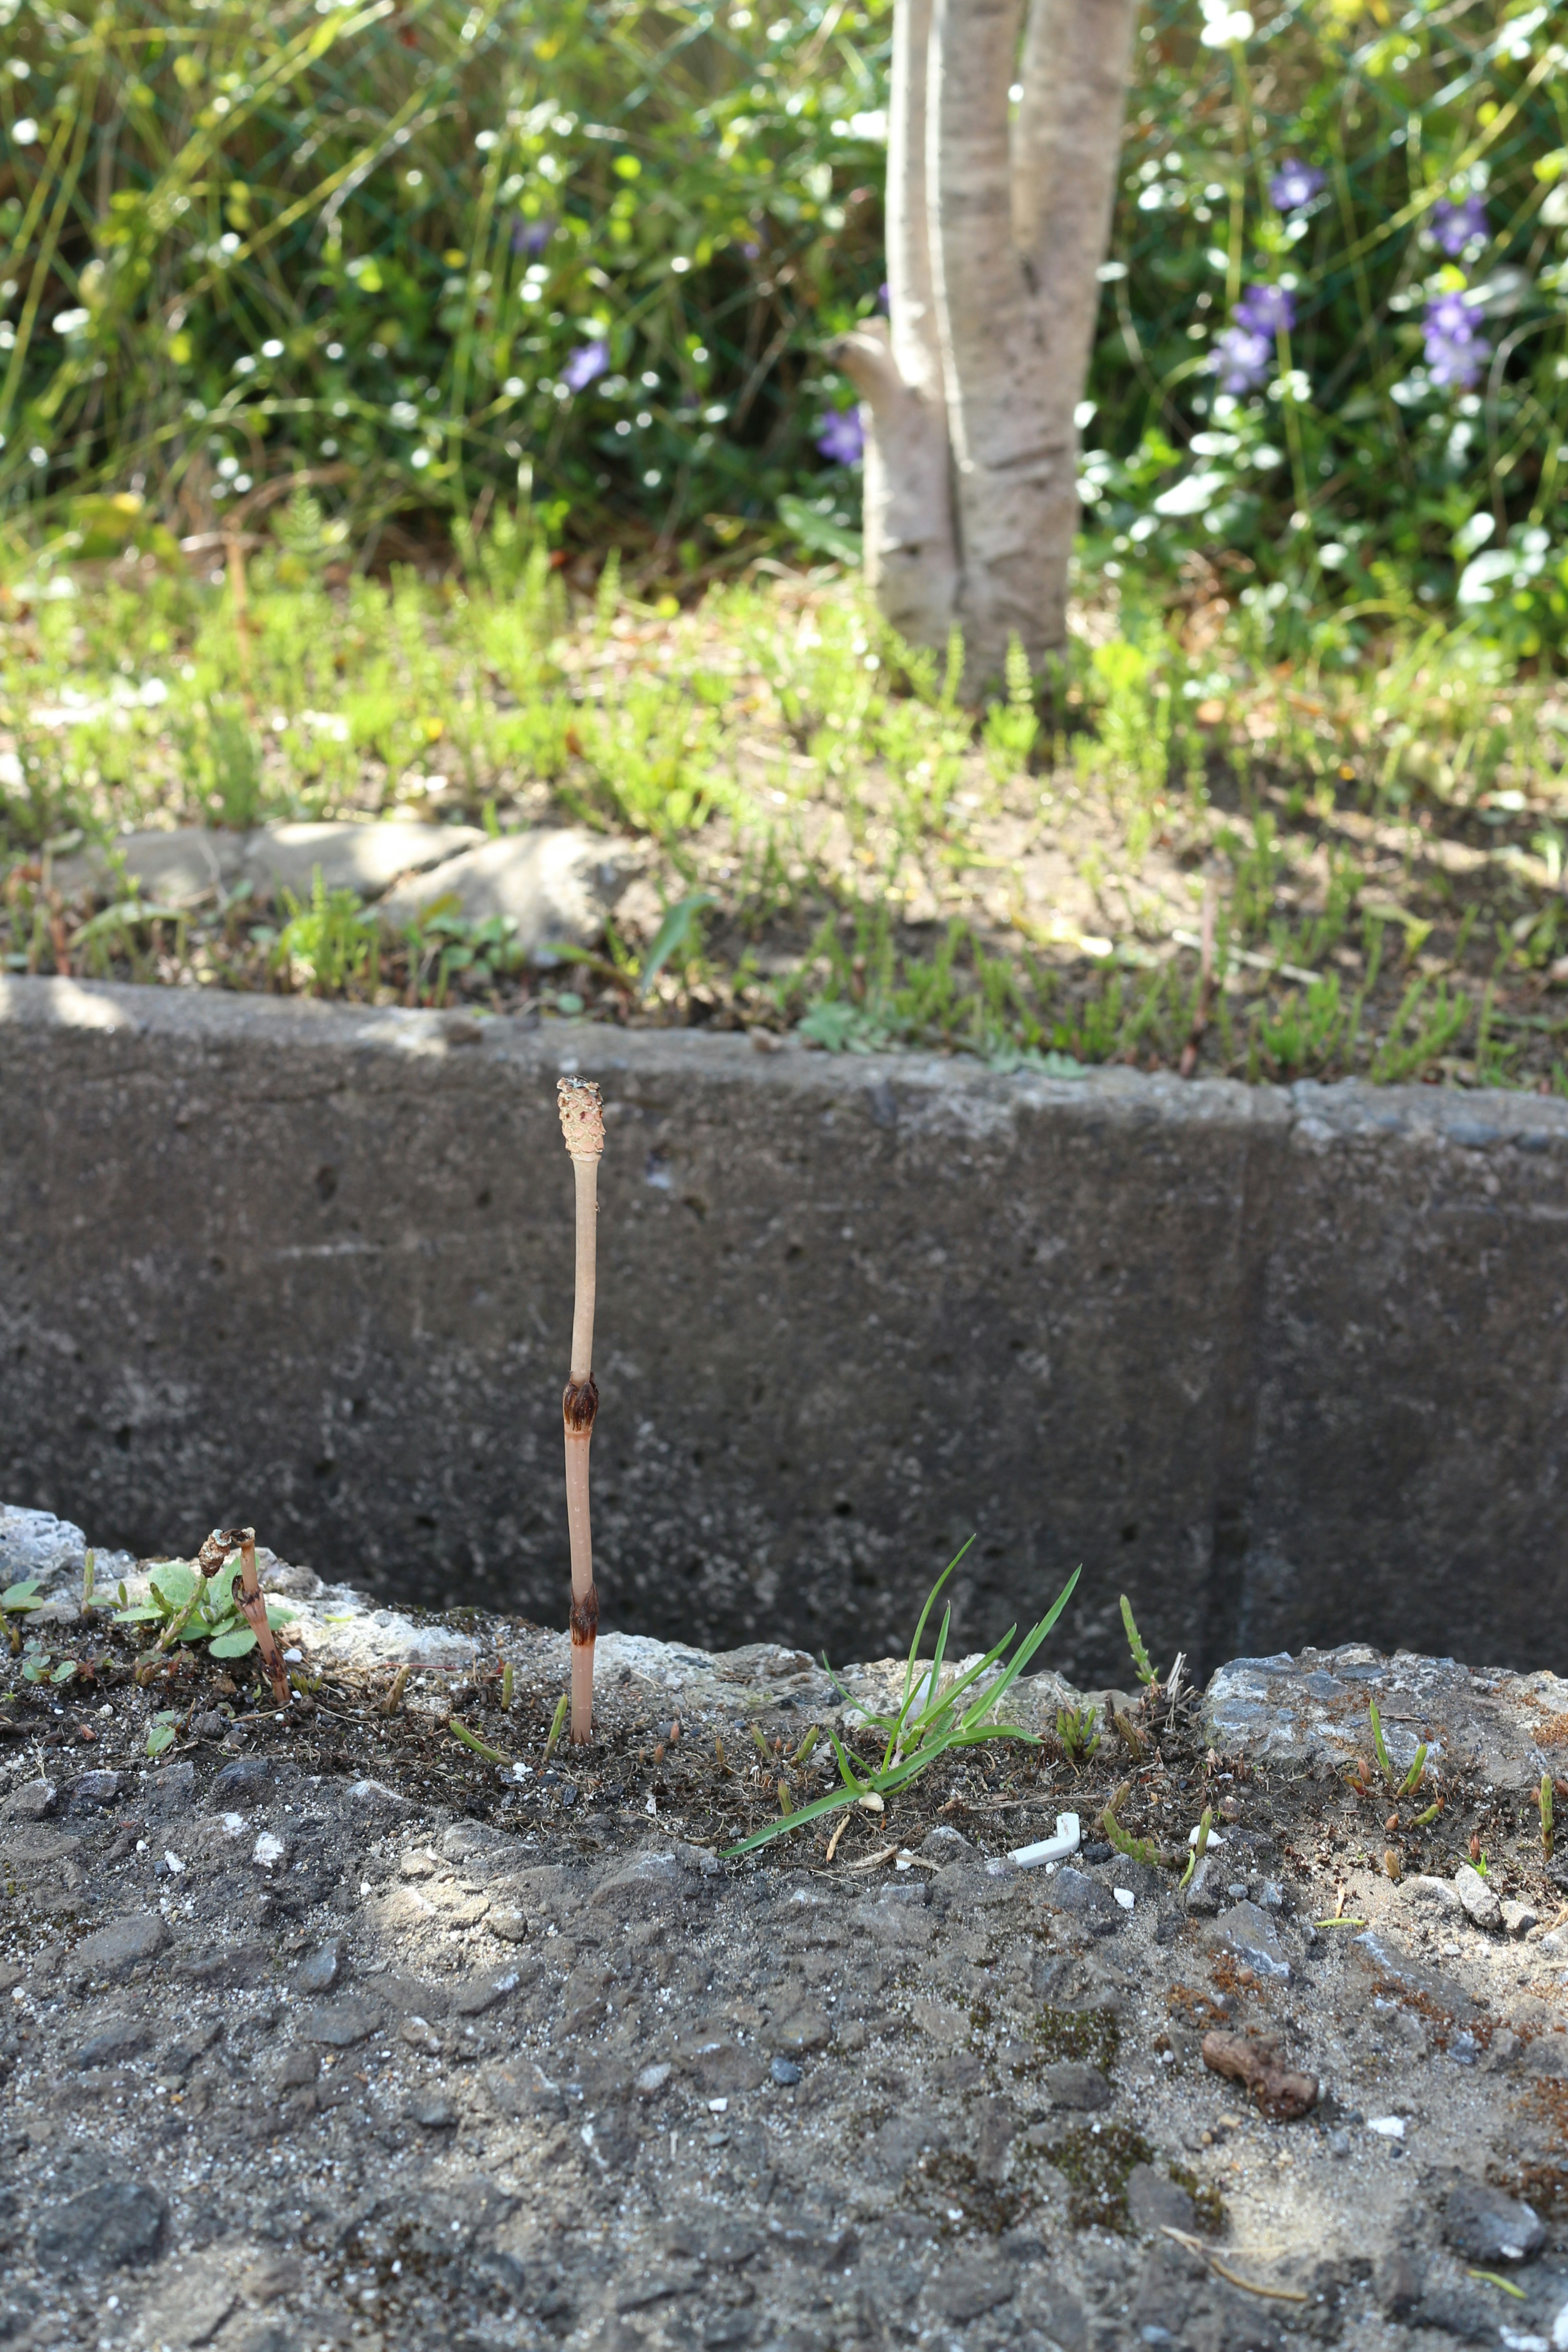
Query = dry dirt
x=324 y=2031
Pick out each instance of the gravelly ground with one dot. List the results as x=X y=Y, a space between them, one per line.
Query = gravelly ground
x=324 y=2031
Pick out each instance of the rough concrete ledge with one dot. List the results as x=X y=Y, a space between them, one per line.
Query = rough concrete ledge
x=1287 y=1366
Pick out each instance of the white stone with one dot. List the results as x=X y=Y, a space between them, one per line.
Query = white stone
x=1477 y=1897
x=555 y=884
x=368 y=858
x=177 y=869
x=1434 y=1895
x=180 y=870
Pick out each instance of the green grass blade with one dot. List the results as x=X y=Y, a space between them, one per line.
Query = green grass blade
x=925 y=1613
x=838 y=1801
x=1032 y=1642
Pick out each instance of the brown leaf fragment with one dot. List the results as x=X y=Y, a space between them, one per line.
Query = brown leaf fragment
x=1276 y=2090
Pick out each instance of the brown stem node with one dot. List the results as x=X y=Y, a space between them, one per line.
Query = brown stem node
x=579 y=1406
x=585 y=1616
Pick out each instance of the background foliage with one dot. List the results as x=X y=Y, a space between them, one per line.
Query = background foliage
x=446 y=259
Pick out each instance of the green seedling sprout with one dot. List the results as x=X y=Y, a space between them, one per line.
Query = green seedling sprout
x=806 y=1744
x=1145 y=1672
x=784 y=1805
x=1378 y=1750
x=930 y=1720
x=764 y=1750
x=1196 y=1857
x=1414 y=1778
x=1077 y=1730
x=1136 y=1849
x=37 y=1668
x=506 y=1688
x=1127 y=1731
x=1546 y=1815
x=582 y=1126
x=1425 y=1821
x=394 y=1699
x=460 y=1731
x=163 y=1733
x=16 y=1601
x=89 y=1562
x=558 y=1726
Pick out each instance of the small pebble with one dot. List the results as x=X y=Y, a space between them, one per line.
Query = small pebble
x=784 y=2071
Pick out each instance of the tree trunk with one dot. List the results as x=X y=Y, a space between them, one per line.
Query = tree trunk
x=910 y=559
x=997 y=222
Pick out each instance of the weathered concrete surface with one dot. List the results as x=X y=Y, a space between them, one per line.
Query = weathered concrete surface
x=1284 y=1366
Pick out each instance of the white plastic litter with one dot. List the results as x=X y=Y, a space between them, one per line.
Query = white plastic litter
x=1214 y=1838
x=1387 y=2127
x=1051 y=1849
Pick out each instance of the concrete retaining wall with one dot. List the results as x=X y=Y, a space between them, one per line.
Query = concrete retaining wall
x=1285 y=1366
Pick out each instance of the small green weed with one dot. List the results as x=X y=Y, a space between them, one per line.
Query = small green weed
x=929 y=1722
x=1144 y=1671
x=188 y=1608
x=40 y=1665
x=330 y=947
x=18 y=1600
x=1078 y=1729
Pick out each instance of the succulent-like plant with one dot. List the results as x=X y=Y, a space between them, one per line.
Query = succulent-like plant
x=1078 y=1729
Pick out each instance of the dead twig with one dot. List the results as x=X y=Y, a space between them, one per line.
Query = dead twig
x=1232 y=2278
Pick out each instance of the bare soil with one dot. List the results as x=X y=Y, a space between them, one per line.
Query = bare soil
x=325 y=2030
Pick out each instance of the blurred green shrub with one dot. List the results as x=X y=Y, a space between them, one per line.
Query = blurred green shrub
x=434 y=261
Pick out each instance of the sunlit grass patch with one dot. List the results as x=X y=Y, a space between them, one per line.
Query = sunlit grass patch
x=1168 y=853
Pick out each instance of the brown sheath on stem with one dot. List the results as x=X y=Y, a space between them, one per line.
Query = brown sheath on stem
x=583 y=1125
x=220 y=1546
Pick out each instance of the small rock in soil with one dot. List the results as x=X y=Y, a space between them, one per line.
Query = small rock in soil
x=320 y=1970
x=1479 y=1899
x=102 y=2229
x=1484 y=2226
x=124 y=1945
x=1081 y=2089
x=1155 y=2201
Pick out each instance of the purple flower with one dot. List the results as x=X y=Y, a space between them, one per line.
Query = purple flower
x=884 y=300
x=1454 y=226
x=587 y=361
x=1244 y=355
x=1243 y=359
x=1455 y=346
x=842 y=439
x=530 y=237
x=1265 y=310
x=1295 y=184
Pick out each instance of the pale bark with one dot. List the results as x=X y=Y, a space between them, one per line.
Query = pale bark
x=912 y=563
x=993 y=341
x=995 y=232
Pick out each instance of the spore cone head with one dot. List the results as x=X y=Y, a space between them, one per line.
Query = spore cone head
x=582 y=1116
